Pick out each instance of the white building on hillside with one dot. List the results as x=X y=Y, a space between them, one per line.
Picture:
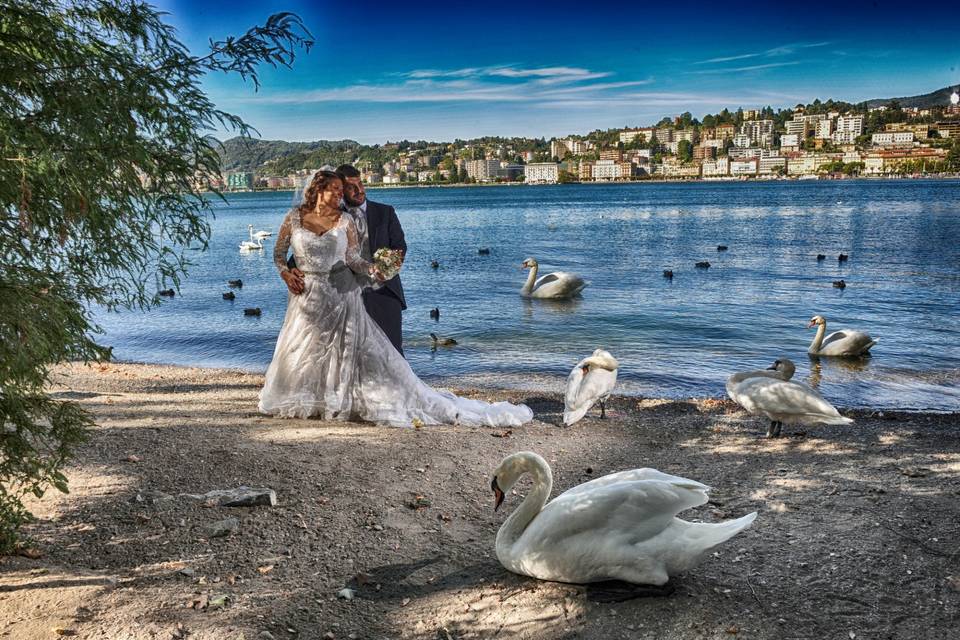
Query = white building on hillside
x=542 y=173
x=607 y=170
x=892 y=139
x=848 y=128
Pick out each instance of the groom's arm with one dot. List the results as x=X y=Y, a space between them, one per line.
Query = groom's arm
x=395 y=237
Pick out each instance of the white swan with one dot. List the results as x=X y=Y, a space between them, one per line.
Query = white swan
x=838 y=343
x=248 y=245
x=772 y=394
x=618 y=527
x=254 y=235
x=590 y=382
x=557 y=285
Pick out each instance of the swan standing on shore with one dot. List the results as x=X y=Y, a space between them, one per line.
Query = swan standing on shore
x=590 y=382
x=772 y=394
x=618 y=527
x=839 y=343
x=557 y=285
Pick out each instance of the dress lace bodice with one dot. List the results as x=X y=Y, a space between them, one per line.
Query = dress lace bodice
x=316 y=253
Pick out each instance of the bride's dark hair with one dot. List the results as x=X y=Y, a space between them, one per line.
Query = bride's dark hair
x=321 y=179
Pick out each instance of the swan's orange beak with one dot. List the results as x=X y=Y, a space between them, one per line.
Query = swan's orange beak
x=497 y=494
x=812 y=324
x=585 y=368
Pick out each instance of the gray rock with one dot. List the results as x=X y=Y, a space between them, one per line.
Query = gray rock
x=239 y=497
x=346 y=594
x=151 y=497
x=265 y=635
x=222 y=528
x=188 y=572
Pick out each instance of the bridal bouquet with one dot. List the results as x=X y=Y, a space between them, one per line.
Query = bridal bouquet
x=388 y=262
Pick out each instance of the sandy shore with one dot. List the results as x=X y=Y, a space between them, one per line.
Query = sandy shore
x=857 y=533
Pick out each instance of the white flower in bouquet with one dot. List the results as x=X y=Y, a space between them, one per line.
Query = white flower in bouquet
x=388 y=262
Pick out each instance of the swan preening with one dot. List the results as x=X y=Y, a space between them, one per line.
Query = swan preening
x=771 y=393
x=839 y=343
x=555 y=285
x=590 y=382
x=622 y=526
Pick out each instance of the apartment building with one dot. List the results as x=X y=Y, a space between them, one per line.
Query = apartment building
x=824 y=129
x=542 y=173
x=607 y=170
x=483 y=170
x=892 y=139
x=716 y=168
x=629 y=135
x=848 y=128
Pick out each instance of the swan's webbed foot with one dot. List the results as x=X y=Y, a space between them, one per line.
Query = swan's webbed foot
x=773 y=431
x=617 y=591
x=779 y=430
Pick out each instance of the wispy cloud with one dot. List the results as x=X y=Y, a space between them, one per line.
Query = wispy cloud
x=754 y=67
x=784 y=50
x=508 y=71
x=474 y=84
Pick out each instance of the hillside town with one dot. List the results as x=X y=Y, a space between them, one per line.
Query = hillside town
x=820 y=140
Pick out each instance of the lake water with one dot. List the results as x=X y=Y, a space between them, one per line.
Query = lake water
x=676 y=338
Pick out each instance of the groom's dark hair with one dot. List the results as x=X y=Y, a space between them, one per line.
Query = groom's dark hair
x=348 y=171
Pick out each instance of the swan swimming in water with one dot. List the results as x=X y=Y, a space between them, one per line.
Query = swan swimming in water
x=771 y=393
x=590 y=382
x=248 y=245
x=258 y=235
x=839 y=343
x=622 y=526
x=557 y=285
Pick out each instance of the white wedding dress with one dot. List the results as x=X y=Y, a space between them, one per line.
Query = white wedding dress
x=333 y=362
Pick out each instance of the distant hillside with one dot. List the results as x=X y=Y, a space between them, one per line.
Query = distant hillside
x=938 y=98
x=239 y=154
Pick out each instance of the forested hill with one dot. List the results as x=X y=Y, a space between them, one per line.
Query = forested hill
x=938 y=98
x=239 y=154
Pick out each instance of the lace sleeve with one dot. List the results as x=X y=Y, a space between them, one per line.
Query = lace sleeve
x=283 y=242
x=353 y=259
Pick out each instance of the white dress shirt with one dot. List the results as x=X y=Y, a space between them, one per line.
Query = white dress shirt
x=359 y=215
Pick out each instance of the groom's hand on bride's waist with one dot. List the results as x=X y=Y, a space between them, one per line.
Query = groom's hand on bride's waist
x=294 y=279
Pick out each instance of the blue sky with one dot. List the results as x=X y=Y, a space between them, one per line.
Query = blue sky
x=445 y=70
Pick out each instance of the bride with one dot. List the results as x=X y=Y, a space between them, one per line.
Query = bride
x=332 y=361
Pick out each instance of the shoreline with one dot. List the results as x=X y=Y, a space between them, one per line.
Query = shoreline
x=404 y=518
x=719 y=180
x=545 y=382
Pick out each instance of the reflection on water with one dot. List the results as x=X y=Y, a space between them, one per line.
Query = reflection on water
x=531 y=307
x=674 y=338
x=835 y=368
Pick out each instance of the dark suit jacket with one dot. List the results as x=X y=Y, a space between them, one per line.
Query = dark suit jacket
x=383 y=230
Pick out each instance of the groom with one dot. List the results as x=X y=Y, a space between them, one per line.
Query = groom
x=378 y=227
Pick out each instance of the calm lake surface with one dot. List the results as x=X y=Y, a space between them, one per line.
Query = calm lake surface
x=674 y=339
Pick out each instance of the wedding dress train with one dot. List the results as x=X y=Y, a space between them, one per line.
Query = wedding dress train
x=332 y=361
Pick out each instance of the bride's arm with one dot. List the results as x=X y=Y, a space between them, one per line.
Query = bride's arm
x=292 y=277
x=353 y=259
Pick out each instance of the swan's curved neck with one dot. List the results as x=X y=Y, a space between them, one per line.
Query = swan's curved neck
x=513 y=526
x=531 y=279
x=818 y=339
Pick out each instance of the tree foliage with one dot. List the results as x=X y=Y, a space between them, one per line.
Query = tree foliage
x=104 y=132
